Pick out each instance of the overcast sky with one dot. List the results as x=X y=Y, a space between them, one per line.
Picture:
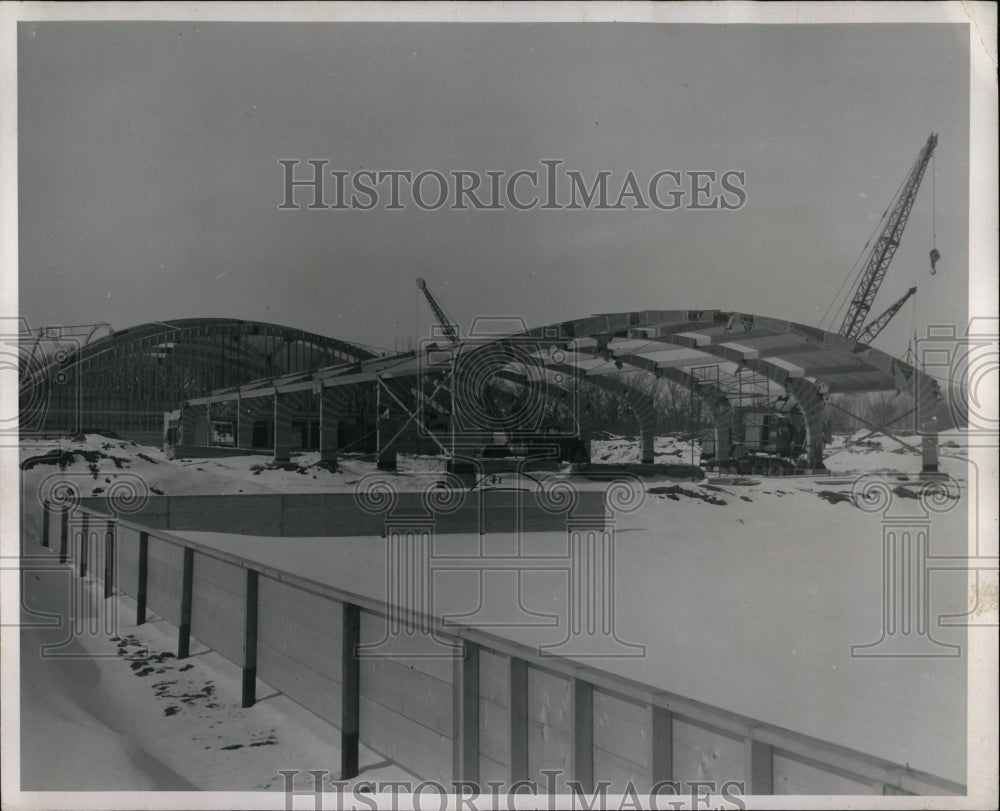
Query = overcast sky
x=150 y=184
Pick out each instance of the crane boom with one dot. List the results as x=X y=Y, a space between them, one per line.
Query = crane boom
x=885 y=247
x=447 y=326
x=870 y=333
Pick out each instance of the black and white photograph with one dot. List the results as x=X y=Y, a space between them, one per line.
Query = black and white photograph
x=504 y=405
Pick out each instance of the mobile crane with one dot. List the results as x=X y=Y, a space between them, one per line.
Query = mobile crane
x=772 y=441
x=881 y=254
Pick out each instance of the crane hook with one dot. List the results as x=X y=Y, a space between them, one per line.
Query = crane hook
x=935 y=256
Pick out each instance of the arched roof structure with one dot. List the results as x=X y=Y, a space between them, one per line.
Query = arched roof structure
x=126 y=379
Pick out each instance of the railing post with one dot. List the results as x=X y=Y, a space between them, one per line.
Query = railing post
x=64 y=535
x=109 y=559
x=250 y=640
x=661 y=740
x=140 y=591
x=583 y=734
x=465 y=705
x=45 y=523
x=84 y=544
x=759 y=767
x=518 y=720
x=350 y=691
x=187 y=583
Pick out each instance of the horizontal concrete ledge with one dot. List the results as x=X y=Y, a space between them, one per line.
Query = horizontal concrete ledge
x=214 y=452
x=338 y=515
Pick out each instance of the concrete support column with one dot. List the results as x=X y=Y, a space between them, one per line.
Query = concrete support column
x=188 y=425
x=661 y=745
x=187 y=584
x=929 y=448
x=387 y=445
x=645 y=413
x=350 y=686
x=518 y=730
x=109 y=559
x=46 y=511
x=143 y=579
x=244 y=425
x=249 y=664
x=465 y=705
x=202 y=425
x=758 y=759
x=328 y=426
x=582 y=753
x=282 y=428
x=811 y=404
x=648 y=445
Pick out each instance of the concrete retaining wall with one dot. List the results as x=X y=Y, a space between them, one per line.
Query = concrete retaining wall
x=494 y=716
x=166 y=562
x=621 y=745
x=407 y=699
x=550 y=726
x=701 y=753
x=218 y=594
x=339 y=515
x=298 y=646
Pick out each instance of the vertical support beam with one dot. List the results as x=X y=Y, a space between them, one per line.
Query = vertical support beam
x=582 y=769
x=328 y=425
x=187 y=583
x=109 y=559
x=250 y=640
x=187 y=425
x=282 y=428
x=465 y=703
x=202 y=425
x=807 y=397
x=84 y=545
x=661 y=741
x=929 y=449
x=64 y=535
x=350 y=691
x=648 y=454
x=140 y=591
x=244 y=425
x=45 y=523
x=387 y=458
x=518 y=720
x=759 y=766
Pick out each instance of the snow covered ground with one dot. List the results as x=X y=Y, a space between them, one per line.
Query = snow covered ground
x=748 y=594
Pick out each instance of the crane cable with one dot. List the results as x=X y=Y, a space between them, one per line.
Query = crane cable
x=935 y=253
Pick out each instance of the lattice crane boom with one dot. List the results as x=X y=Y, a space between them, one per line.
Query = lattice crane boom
x=885 y=246
x=871 y=332
x=448 y=327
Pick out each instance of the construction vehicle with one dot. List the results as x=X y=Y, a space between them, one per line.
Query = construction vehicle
x=759 y=441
